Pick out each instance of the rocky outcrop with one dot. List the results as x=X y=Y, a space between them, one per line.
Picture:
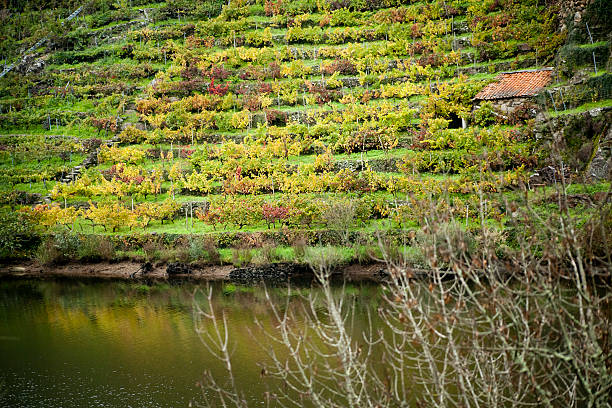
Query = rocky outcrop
x=584 y=139
x=30 y=64
x=547 y=175
x=177 y=268
x=600 y=167
x=573 y=9
x=576 y=15
x=272 y=273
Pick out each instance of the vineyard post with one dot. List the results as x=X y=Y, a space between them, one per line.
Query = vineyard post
x=186 y=219
x=562 y=99
x=591 y=38
x=553 y=100
x=453 y=30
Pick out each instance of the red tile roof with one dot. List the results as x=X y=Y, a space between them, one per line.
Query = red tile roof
x=516 y=84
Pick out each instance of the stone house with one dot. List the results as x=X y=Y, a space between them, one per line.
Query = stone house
x=514 y=89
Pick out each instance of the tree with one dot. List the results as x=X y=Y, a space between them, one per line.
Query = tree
x=110 y=216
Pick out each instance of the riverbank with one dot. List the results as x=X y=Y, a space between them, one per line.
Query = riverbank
x=128 y=270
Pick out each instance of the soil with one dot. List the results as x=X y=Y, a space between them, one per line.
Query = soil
x=127 y=270
x=118 y=270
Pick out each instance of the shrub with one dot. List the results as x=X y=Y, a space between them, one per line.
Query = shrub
x=202 y=249
x=120 y=155
x=152 y=249
x=323 y=259
x=241 y=257
x=342 y=66
x=95 y=248
x=219 y=90
x=276 y=117
x=340 y=216
x=596 y=235
x=267 y=255
x=58 y=248
x=273 y=213
x=212 y=252
x=90 y=145
x=299 y=244
x=18 y=235
x=324 y=162
x=272 y=8
x=132 y=134
x=484 y=115
x=105 y=124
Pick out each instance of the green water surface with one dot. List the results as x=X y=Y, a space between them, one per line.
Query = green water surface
x=76 y=343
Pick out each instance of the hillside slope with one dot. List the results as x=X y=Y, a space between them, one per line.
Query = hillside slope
x=296 y=123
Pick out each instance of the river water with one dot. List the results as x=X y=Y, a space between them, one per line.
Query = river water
x=73 y=343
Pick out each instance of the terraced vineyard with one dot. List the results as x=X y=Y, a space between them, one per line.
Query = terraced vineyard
x=271 y=123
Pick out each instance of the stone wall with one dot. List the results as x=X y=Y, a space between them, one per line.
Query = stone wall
x=507 y=106
x=572 y=9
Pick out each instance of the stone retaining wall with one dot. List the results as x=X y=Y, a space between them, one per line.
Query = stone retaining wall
x=572 y=9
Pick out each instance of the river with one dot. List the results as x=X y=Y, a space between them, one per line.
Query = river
x=71 y=343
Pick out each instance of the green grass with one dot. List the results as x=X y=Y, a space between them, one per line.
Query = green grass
x=594 y=45
x=582 y=108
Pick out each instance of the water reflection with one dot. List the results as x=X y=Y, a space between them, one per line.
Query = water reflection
x=117 y=344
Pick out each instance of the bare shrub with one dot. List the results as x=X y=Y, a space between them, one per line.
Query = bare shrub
x=445 y=241
x=530 y=328
x=478 y=331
